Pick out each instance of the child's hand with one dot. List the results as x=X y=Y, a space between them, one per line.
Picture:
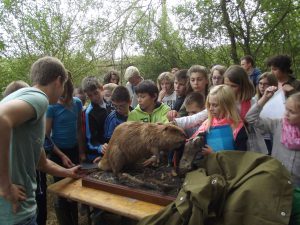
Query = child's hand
x=171 y=115
x=287 y=88
x=67 y=162
x=104 y=148
x=161 y=95
x=207 y=150
x=97 y=159
x=269 y=92
x=152 y=160
x=76 y=172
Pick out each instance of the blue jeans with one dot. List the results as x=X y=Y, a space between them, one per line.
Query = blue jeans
x=28 y=221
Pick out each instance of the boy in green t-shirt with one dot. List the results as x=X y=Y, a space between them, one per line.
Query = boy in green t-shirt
x=148 y=108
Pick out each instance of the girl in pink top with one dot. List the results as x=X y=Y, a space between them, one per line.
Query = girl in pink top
x=222 y=113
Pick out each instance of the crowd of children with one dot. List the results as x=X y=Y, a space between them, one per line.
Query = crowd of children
x=224 y=103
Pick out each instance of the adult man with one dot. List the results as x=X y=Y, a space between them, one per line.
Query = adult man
x=247 y=63
x=22 y=132
x=132 y=75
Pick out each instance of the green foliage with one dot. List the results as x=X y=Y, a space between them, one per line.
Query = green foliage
x=34 y=29
x=89 y=36
x=2 y=45
x=257 y=26
x=13 y=69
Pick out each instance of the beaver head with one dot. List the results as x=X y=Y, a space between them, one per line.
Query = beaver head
x=171 y=137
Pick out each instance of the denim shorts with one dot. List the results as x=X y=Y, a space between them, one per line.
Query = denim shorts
x=29 y=221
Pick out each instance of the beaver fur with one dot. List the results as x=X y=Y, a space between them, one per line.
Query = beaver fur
x=133 y=141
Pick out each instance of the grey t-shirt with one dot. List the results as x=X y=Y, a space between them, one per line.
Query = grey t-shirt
x=170 y=100
x=25 y=149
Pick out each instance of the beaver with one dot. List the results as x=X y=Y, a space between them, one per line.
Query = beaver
x=133 y=141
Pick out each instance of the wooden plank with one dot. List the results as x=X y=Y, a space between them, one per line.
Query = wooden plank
x=122 y=190
x=128 y=207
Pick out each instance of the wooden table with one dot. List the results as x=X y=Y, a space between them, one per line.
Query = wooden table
x=128 y=207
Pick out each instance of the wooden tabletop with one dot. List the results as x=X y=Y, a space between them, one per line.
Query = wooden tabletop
x=128 y=207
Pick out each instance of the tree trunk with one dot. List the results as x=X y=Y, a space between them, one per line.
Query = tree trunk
x=233 y=51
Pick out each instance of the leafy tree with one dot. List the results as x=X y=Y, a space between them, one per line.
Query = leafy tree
x=33 y=29
x=246 y=25
x=92 y=36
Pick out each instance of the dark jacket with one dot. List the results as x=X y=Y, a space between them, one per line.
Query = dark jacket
x=232 y=188
x=112 y=121
x=95 y=116
x=240 y=142
x=178 y=103
x=254 y=76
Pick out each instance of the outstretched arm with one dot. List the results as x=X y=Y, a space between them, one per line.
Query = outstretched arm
x=191 y=121
x=48 y=166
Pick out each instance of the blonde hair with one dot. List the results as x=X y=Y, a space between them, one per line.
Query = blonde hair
x=296 y=99
x=131 y=71
x=165 y=76
x=110 y=86
x=226 y=101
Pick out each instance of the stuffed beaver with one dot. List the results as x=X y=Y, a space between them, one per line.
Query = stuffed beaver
x=132 y=141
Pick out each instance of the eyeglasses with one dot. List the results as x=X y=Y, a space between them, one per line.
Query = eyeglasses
x=263 y=84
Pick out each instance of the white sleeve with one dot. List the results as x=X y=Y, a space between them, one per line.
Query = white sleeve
x=264 y=125
x=192 y=121
x=129 y=88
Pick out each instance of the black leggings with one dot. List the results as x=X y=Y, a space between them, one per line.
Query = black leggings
x=66 y=210
x=41 y=198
